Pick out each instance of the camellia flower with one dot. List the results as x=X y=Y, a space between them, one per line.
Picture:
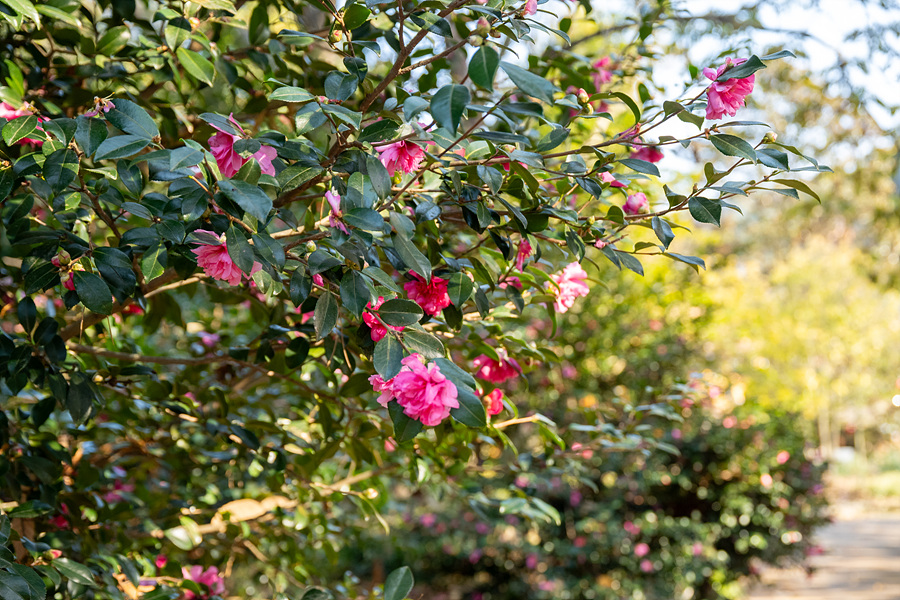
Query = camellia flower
x=495 y=402
x=635 y=203
x=783 y=457
x=648 y=153
x=161 y=561
x=334 y=200
x=431 y=296
x=230 y=162
x=210 y=578
x=601 y=73
x=726 y=97
x=496 y=371
x=403 y=155
x=378 y=331
x=641 y=549
x=530 y=7
x=525 y=250
x=423 y=392
x=9 y=112
x=216 y=262
x=67 y=277
x=100 y=105
x=571 y=285
x=607 y=177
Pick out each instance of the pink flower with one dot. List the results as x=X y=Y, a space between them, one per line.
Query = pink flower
x=646 y=566
x=318 y=280
x=496 y=371
x=161 y=561
x=635 y=204
x=525 y=250
x=510 y=280
x=601 y=74
x=334 y=201
x=404 y=155
x=648 y=153
x=726 y=97
x=378 y=331
x=230 y=162
x=495 y=400
x=209 y=339
x=697 y=549
x=101 y=105
x=641 y=549
x=55 y=553
x=216 y=262
x=783 y=457
x=607 y=177
x=390 y=445
x=423 y=392
x=210 y=578
x=631 y=528
x=428 y=520
x=530 y=7
x=571 y=285
x=67 y=278
x=8 y=112
x=431 y=296
x=114 y=495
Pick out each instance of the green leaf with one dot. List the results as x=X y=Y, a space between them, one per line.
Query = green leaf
x=153 y=263
x=354 y=292
x=690 y=260
x=291 y=94
x=120 y=146
x=398 y=584
x=483 y=67
x=554 y=138
x=387 y=356
x=405 y=428
x=19 y=128
x=459 y=288
x=531 y=84
x=779 y=54
x=400 y=313
x=41 y=277
x=113 y=40
x=798 y=185
x=131 y=118
x=663 y=231
x=239 y=249
x=731 y=145
x=365 y=219
x=25 y=8
x=641 y=166
x=326 y=314
x=745 y=69
x=379 y=131
x=355 y=16
x=60 y=169
x=196 y=65
x=295 y=176
x=300 y=287
x=471 y=410
x=93 y=292
x=448 y=105
x=184 y=157
x=249 y=197
x=36 y=587
x=411 y=256
x=320 y=261
x=222 y=123
x=74 y=571
x=424 y=343
x=90 y=134
x=705 y=210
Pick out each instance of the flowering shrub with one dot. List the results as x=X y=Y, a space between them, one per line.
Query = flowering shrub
x=213 y=304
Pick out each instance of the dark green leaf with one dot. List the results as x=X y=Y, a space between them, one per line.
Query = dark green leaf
x=705 y=210
x=553 y=139
x=798 y=185
x=405 y=428
x=154 y=261
x=196 y=65
x=483 y=67
x=410 y=255
x=90 y=134
x=19 y=128
x=354 y=292
x=731 y=145
x=531 y=84
x=471 y=410
x=663 y=231
x=93 y=292
x=365 y=219
x=745 y=69
x=448 y=105
x=387 y=356
x=398 y=584
x=131 y=118
x=249 y=197
x=60 y=169
x=120 y=146
x=400 y=313
x=641 y=166
x=74 y=571
x=355 y=15
x=291 y=94
x=459 y=288
x=326 y=314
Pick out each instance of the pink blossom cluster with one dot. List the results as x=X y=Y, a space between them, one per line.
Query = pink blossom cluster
x=423 y=391
x=378 y=331
x=210 y=577
x=334 y=201
x=229 y=161
x=405 y=156
x=726 y=97
x=570 y=284
x=217 y=263
x=494 y=402
x=496 y=371
x=635 y=204
x=431 y=295
x=525 y=250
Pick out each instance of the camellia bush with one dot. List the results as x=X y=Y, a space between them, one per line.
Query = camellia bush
x=262 y=258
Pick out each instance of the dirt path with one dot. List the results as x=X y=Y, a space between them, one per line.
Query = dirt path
x=861 y=562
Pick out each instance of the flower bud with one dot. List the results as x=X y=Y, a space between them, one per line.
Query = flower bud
x=587 y=109
x=311 y=246
x=335 y=36
x=591 y=221
x=583 y=96
x=482 y=27
x=475 y=40
x=494 y=33
x=64 y=258
x=770 y=138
